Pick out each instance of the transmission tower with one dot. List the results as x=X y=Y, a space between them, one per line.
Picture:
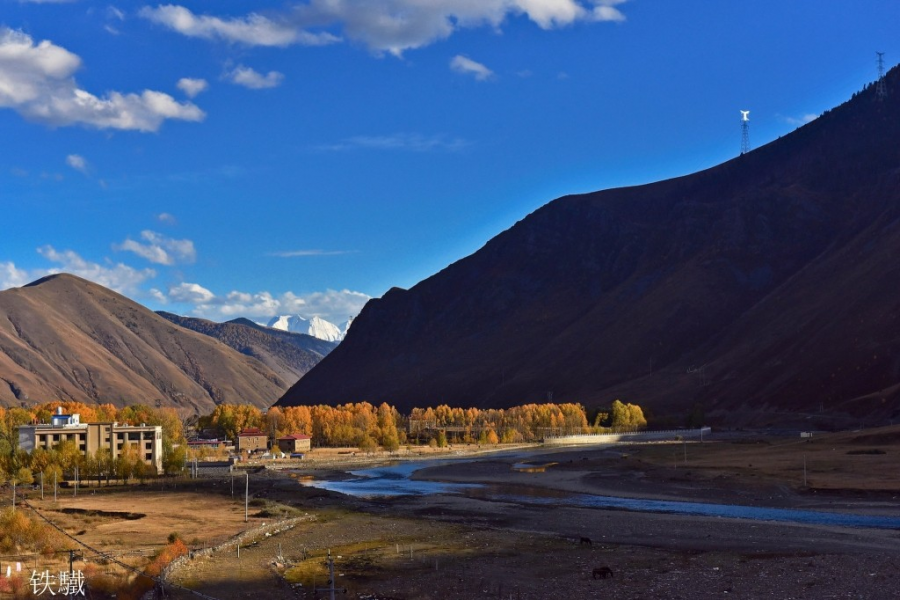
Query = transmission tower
x=745 y=131
x=880 y=89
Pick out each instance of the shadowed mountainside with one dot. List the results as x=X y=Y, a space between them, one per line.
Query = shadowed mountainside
x=290 y=355
x=758 y=291
x=300 y=340
x=65 y=338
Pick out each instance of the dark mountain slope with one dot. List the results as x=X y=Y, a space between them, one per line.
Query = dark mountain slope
x=300 y=340
x=288 y=360
x=719 y=289
x=62 y=337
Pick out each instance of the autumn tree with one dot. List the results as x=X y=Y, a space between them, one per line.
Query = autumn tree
x=627 y=416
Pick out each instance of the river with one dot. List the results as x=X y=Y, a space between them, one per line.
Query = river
x=395 y=480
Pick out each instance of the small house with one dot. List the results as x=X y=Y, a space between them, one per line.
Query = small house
x=296 y=442
x=252 y=439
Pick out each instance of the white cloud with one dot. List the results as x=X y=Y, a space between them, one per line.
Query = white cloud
x=467 y=66
x=192 y=87
x=159 y=296
x=392 y=26
x=802 y=120
x=11 y=277
x=160 y=249
x=252 y=30
x=36 y=80
x=166 y=218
x=332 y=305
x=116 y=276
x=413 y=142
x=249 y=78
x=605 y=10
x=77 y=162
x=191 y=293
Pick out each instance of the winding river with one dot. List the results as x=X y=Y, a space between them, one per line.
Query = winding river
x=395 y=480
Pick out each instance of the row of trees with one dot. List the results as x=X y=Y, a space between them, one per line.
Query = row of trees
x=355 y=424
x=365 y=425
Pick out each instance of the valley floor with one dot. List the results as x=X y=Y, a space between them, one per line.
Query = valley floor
x=452 y=547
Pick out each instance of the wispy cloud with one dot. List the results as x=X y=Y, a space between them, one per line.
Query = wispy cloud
x=166 y=218
x=391 y=26
x=252 y=30
x=36 y=80
x=413 y=142
x=467 y=66
x=247 y=77
x=801 y=120
x=300 y=253
x=77 y=162
x=159 y=249
x=192 y=87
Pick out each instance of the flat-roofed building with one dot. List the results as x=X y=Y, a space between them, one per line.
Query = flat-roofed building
x=251 y=439
x=296 y=442
x=90 y=437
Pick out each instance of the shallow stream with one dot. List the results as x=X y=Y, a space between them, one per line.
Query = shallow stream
x=394 y=480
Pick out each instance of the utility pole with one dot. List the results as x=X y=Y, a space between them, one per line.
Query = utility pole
x=247 y=498
x=42 y=485
x=331 y=589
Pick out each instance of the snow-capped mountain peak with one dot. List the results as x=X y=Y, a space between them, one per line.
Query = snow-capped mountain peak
x=314 y=326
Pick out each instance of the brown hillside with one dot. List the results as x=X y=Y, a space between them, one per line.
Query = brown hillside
x=62 y=337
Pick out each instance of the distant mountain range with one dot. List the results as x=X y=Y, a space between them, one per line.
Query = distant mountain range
x=761 y=291
x=315 y=326
x=65 y=338
x=289 y=355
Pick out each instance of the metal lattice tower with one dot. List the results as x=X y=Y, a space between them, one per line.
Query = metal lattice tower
x=745 y=131
x=880 y=89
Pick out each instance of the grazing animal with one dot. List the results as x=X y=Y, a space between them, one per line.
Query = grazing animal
x=602 y=572
x=585 y=541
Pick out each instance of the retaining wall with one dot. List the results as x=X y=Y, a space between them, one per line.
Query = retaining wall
x=635 y=436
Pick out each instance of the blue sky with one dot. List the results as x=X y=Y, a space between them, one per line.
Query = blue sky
x=225 y=159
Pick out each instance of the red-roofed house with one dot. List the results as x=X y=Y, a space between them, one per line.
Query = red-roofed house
x=296 y=442
x=251 y=439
